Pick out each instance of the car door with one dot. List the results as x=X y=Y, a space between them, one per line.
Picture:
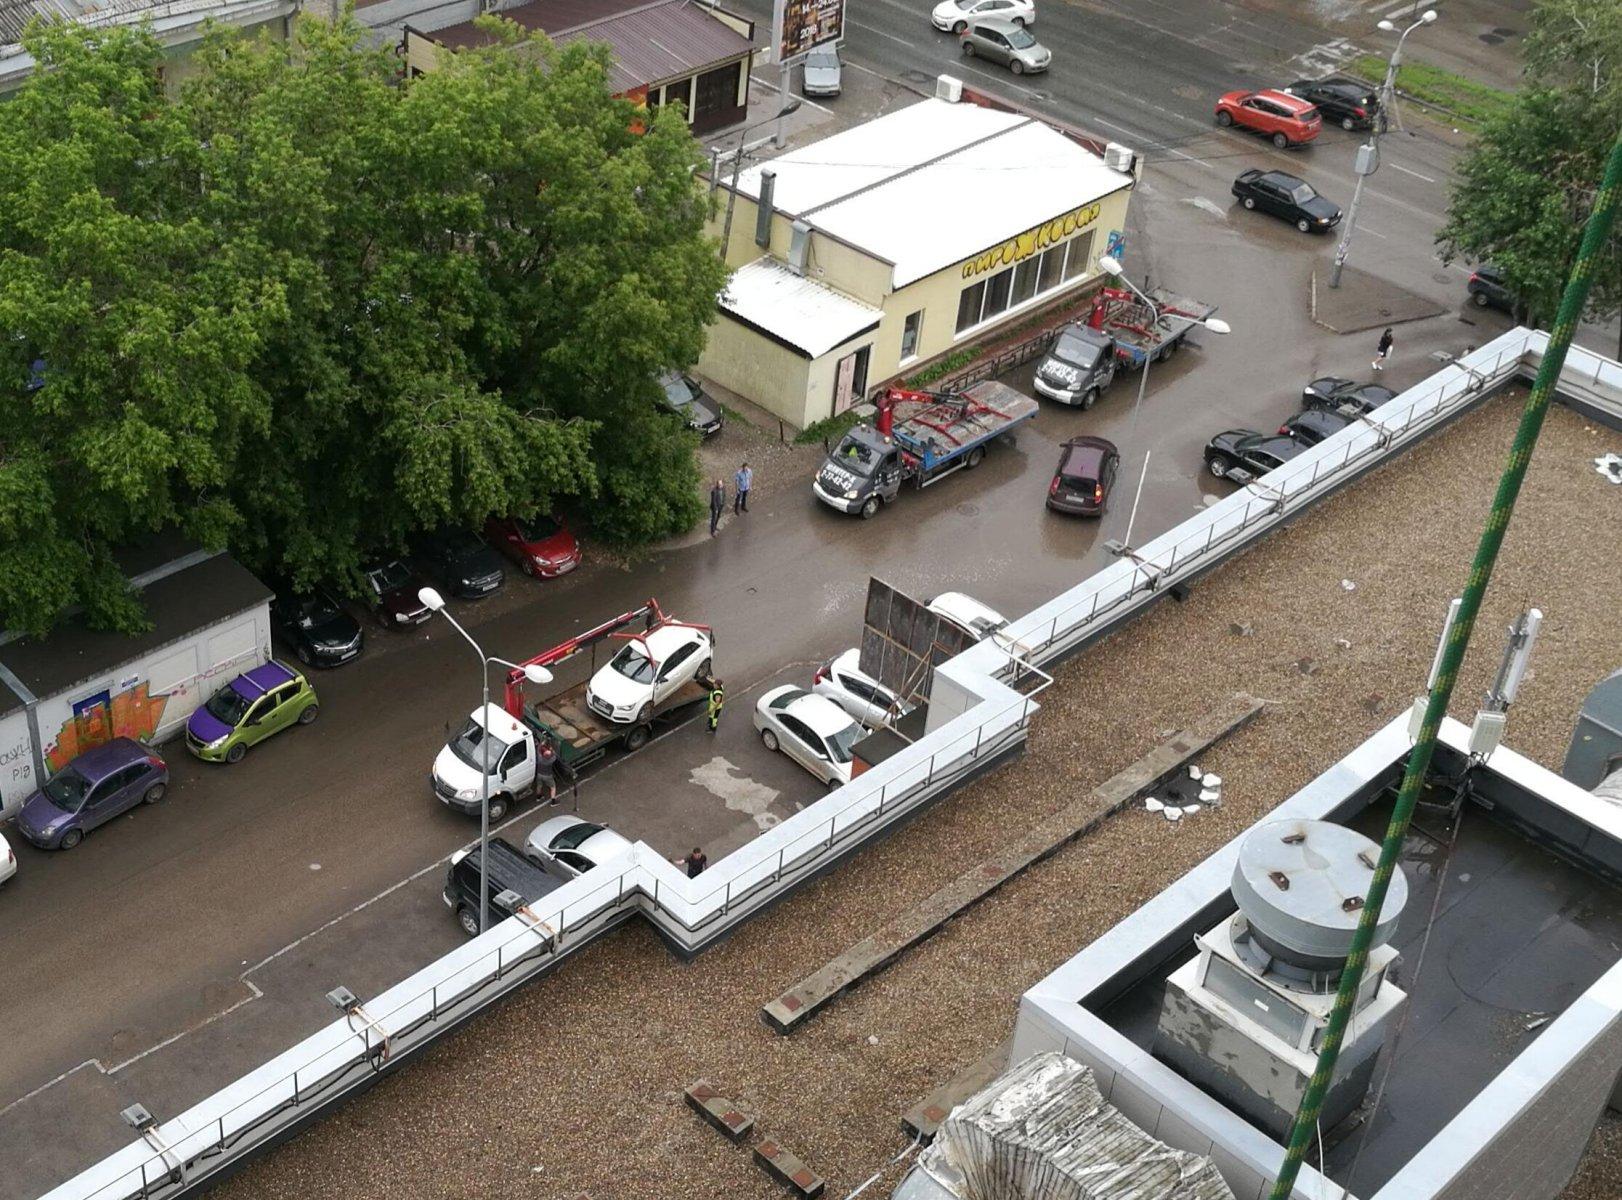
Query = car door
x=993 y=45
x=671 y=672
x=1112 y=464
x=804 y=746
x=868 y=711
x=1279 y=202
x=104 y=801
x=1254 y=114
x=572 y=861
x=279 y=710
x=515 y=769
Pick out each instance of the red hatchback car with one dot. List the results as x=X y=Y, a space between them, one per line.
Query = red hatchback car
x=1288 y=120
x=542 y=546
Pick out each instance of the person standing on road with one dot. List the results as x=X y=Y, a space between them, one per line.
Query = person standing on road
x=546 y=764
x=717 y=697
x=695 y=863
x=1384 y=350
x=718 y=503
x=741 y=483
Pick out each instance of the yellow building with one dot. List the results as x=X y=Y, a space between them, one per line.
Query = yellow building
x=861 y=257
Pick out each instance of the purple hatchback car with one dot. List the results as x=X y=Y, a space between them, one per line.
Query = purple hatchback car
x=92 y=789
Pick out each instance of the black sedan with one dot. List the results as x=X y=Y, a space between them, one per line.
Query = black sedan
x=321 y=633
x=1331 y=392
x=1314 y=425
x=1488 y=289
x=1350 y=104
x=684 y=397
x=463 y=562
x=1244 y=450
x=1283 y=195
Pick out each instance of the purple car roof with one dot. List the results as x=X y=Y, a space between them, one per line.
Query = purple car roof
x=255 y=683
x=101 y=761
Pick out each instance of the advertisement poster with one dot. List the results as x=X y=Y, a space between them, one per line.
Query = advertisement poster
x=800 y=25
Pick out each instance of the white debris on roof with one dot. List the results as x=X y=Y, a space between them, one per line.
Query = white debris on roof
x=809 y=316
x=935 y=183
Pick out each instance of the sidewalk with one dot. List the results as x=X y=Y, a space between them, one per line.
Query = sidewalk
x=1364 y=301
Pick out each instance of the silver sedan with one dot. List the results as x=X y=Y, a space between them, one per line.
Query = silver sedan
x=1002 y=41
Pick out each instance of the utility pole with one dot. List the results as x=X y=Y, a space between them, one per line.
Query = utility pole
x=1368 y=154
x=1455 y=640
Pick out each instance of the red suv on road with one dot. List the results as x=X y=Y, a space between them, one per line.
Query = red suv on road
x=1288 y=120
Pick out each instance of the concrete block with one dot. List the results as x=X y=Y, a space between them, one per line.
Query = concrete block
x=719 y=1111
x=785 y=1166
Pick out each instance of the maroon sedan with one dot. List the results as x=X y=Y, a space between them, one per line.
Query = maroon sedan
x=542 y=546
x=1086 y=472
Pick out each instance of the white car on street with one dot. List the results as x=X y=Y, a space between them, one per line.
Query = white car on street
x=648 y=669
x=8 y=860
x=568 y=846
x=844 y=682
x=975 y=619
x=954 y=16
x=812 y=730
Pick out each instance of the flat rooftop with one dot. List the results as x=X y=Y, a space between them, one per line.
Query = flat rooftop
x=1518 y=935
x=621 y=1028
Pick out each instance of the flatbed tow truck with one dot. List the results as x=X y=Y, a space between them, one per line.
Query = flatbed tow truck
x=918 y=438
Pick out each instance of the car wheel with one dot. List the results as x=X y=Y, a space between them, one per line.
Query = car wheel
x=1348 y=124
x=309 y=714
x=1304 y=225
x=1219 y=466
x=835 y=784
x=769 y=738
x=468 y=920
x=498 y=807
x=968 y=49
x=529 y=567
x=704 y=669
x=959 y=27
x=1017 y=67
x=646 y=715
x=304 y=656
x=1249 y=202
x=1089 y=398
x=1224 y=118
x=236 y=752
x=1020 y=21
x=1281 y=141
x=70 y=839
x=975 y=457
x=1480 y=300
x=154 y=793
x=639 y=736
x=870 y=508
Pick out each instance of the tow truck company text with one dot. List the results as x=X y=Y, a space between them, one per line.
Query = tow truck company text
x=1032 y=240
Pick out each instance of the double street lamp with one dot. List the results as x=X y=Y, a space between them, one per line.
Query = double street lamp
x=1368 y=154
x=535 y=674
x=1112 y=266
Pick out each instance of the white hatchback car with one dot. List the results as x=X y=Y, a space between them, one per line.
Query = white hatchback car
x=954 y=16
x=647 y=670
x=812 y=730
x=975 y=619
x=844 y=682
x=568 y=846
x=8 y=860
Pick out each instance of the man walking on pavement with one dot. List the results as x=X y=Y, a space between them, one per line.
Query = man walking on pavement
x=741 y=483
x=717 y=697
x=718 y=502
x=1384 y=351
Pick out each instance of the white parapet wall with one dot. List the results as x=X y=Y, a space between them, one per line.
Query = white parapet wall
x=976 y=718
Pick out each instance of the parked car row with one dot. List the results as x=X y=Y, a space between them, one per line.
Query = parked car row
x=1328 y=405
x=1294 y=115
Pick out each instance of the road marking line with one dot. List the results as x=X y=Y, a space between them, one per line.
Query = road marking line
x=1151 y=147
x=1415 y=174
x=1374 y=232
x=1390 y=8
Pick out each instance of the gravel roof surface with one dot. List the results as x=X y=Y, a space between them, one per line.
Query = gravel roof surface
x=574 y=1086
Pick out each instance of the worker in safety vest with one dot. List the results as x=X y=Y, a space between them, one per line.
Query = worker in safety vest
x=718 y=696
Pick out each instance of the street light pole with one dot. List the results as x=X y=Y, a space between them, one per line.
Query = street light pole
x=535 y=674
x=791 y=105
x=1368 y=154
x=1112 y=266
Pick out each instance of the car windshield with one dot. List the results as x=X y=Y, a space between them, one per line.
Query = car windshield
x=822 y=56
x=572 y=837
x=389 y=576
x=856 y=455
x=316 y=610
x=840 y=743
x=537 y=529
x=634 y=663
x=470 y=748
x=66 y=789
x=1076 y=350
x=228 y=705
x=677 y=393
x=1302 y=192
x=1020 y=38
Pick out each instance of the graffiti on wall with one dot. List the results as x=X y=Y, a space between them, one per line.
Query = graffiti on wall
x=16 y=769
x=132 y=713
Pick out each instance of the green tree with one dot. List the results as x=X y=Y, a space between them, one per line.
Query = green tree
x=1525 y=187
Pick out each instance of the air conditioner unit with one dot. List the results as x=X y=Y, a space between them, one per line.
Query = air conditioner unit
x=799 y=246
x=1119 y=158
x=948 y=88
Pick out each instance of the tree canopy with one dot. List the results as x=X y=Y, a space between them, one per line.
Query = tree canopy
x=305 y=309
x=1526 y=186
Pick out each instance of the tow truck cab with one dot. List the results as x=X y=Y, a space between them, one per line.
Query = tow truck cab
x=1079 y=367
x=459 y=767
x=864 y=468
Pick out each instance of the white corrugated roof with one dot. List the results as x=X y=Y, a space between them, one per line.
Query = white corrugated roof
x=810 y=316
x=934 y=183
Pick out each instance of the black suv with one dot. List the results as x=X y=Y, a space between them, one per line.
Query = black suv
x=1244 y=454
x=1352 y=105
x=1331 y=392
x=509 y=871
x=1314 y=425
x=462 y=561
x=1284 y=195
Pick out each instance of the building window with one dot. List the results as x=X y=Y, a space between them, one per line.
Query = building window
x=997 y=289
x=968 y=305
x=717 y=93
x=1051 y=273
x=681 y=92
x=909 y=335
x=1081 y=255
x=1024 y=282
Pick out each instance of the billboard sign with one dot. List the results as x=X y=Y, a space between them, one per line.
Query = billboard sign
x=799 y=26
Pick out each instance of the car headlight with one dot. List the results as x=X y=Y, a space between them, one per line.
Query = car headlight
x=217 y=742
x=401 y=618
x=850 y=493
x=467 y=793
x=1323 y=220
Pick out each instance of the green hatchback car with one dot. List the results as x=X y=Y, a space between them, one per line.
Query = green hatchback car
x=248 y=710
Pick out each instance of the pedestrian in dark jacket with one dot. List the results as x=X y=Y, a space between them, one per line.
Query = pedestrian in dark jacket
x=718 y=503
x=695 y=863
x=1384 y=350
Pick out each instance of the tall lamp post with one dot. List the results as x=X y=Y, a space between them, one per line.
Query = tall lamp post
x=1368 y=154
x=535 y=674
x=791 y=105
x=1112 y=266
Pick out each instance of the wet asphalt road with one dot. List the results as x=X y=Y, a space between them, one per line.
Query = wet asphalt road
x=142 y=932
